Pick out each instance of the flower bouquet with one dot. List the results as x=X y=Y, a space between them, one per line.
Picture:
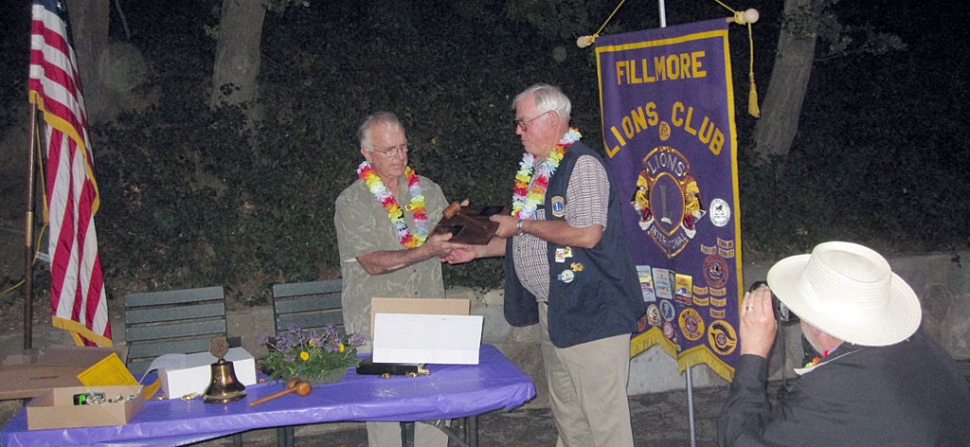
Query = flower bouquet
x=310 y=355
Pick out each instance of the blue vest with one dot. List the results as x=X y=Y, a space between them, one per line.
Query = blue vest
x=599 y=300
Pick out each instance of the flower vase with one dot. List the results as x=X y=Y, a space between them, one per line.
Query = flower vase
x=334 y=376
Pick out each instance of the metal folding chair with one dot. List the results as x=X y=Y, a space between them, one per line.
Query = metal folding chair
x=174 y=321
x=309 y=305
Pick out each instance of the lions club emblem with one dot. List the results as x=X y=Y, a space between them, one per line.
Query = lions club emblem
x=667 y=199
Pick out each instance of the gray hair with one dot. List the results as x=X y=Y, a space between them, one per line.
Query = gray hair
x=547 y=98
x=386 y=119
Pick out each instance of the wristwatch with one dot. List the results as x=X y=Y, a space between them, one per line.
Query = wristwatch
x=518 y=226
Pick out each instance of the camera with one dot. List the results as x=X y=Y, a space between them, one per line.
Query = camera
x=782 y=313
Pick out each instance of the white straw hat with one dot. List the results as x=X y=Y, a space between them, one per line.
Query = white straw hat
x=848 y=291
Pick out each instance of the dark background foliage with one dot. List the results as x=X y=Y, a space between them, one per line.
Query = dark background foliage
x=196 y=197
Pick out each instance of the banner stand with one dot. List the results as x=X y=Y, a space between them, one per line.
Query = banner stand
x=690 y=406
x=29 y=235
x=669 y=133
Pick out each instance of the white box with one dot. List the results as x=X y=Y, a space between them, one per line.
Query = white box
x=423 y=338
x=184 y=374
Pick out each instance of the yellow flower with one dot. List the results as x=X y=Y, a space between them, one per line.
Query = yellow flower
x=305 y=356
x=342 y=347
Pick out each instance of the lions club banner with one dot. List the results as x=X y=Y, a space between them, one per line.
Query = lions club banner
x=669 y=131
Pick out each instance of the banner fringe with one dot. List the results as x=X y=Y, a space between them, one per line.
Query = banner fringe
x=699 y=355
x=78 y=331
x=648 y=339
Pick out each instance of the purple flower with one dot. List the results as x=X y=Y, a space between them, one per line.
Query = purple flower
x=356 y=340
x=316 y=340
x=284 y=344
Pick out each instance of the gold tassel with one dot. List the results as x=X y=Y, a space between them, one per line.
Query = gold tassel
x=585 y=41
x=753 y=108
x=747 y=17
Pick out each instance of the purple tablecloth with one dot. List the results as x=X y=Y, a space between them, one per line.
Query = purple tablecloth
x=451 y=391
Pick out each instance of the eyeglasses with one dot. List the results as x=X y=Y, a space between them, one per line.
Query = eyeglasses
x=394 y=151
x=524 y=124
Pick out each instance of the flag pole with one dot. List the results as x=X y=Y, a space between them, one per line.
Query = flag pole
x=688 y=376
x=29 y=238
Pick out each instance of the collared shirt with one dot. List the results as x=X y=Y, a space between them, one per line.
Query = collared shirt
x=587 y=200
x=363 y=227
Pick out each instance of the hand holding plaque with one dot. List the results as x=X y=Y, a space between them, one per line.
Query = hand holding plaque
x=469 y=224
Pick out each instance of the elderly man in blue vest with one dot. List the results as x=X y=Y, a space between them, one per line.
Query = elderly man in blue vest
x=569 y=269
x=878 y=381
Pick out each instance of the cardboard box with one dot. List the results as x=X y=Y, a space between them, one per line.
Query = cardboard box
x=56 y=408
x=184 y=374
x=406 y=332
x=39 y=370
x=426 y=306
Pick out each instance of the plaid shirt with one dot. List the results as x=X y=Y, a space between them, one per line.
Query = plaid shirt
x=587 y=198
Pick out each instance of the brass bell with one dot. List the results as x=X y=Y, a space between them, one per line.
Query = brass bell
x=225 y=387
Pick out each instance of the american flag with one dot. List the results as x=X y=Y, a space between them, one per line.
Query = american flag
x=77 y=286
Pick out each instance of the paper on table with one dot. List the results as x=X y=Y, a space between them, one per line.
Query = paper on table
x=161 y=362
x=166 y=361
x=110 y=371
x=421 y=338
x=429 y=306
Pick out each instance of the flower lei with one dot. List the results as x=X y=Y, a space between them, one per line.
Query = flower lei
x=525 y=200
x=394 y=212
x=817 y=360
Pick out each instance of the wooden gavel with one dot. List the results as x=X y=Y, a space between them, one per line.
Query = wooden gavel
x=301 y=387
x=454 y=210
x=451 y=210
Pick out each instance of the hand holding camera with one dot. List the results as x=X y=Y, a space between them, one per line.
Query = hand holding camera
x=758 y=324
x=782 y=314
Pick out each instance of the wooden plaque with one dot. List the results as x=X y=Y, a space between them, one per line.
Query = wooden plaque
x=468 y=224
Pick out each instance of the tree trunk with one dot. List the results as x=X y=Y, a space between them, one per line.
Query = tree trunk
x=237 y=53
x=775 y=130
x=89 y=30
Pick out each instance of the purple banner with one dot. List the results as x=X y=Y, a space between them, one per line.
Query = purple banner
x=669 y=131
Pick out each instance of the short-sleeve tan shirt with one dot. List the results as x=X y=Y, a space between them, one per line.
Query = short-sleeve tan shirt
x=363 y=227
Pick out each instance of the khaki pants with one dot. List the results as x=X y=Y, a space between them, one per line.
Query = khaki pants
x=388 y=434
x=587 y=389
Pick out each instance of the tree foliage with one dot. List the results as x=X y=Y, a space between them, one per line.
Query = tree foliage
x=804 y=22
x=205 y=199
x=193 y=196
x=820 y=19
x=280 y=6
x=554 y=19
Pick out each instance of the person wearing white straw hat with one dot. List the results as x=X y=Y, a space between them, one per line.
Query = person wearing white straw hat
x=880 y=381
